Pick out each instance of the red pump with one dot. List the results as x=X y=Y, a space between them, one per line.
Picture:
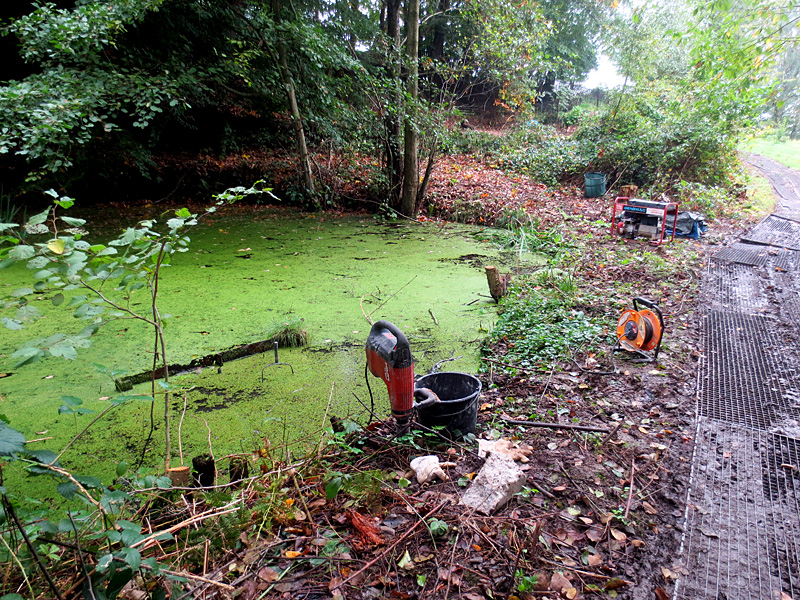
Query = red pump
x=389 y=357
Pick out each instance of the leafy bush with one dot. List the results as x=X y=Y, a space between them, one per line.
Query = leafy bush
x=711 y=201
x=544 y=154
x=652 y=136
x=456 y=140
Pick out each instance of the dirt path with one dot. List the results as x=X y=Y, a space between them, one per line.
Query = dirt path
x=785 y=182
x=742 y=525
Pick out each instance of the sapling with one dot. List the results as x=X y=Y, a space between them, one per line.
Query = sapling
x=102 y=279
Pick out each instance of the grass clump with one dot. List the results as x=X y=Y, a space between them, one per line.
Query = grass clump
x=289 y=333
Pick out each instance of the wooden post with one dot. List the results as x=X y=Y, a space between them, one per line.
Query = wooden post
x=498 y=282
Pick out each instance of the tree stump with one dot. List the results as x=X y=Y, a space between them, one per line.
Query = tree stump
x=498 y=283
x=204 y=470
x=628 y=191
x=238 y=469
x=180 y=476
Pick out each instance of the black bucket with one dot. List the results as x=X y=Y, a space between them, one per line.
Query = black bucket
x=457 y=410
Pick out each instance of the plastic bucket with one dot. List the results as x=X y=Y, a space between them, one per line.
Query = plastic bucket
x=594 y=184
x=457 y=410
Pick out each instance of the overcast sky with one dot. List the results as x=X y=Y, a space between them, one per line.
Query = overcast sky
x=604 y=76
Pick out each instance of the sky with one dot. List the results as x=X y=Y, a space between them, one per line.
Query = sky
x=604 y=76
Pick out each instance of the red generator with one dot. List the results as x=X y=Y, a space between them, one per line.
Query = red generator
x=633 y=218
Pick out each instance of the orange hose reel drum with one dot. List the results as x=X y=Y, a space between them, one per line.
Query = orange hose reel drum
x=639 y=330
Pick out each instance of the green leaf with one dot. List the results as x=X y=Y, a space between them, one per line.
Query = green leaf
x=11 y=441
x=58 y=299
x=122 y=468
x=67 y=489
x=26 y=355
x=12 y=324
x=73 y=222
x=22 y=252
x=183 y=213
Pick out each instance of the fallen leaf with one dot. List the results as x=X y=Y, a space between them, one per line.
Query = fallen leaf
x=559 y=583
x=667 y=574
x=406 y=562
x=649 y=508
x=594 y=534
x=292 y=554
x=594 y=560
x=637 y=543
x=268 y=574
x=661 y=594
x=618 y=535
x=613 y=584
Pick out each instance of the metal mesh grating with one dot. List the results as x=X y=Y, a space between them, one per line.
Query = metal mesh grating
x=787 y=291
x=776 y=231
x=743 y=517
x=785 y=260
x=745 y=254
x=736 y=287
x=747 y=375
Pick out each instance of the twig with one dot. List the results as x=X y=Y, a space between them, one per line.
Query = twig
x=450 y=566
x=630 y=489
x=514 y=571
x=433 y=316
x=193 y=577
x=554 y=425
x=180 y=428
x=392 y=546
x=79 y=552
x=587 y=573
x=363 y=312
x=229 y=508
x=211 y=450
x=392 y=296
x=610 y=434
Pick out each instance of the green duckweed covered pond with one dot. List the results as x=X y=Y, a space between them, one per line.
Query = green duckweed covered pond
x=244 y=273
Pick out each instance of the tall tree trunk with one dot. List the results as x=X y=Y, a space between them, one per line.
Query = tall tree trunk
x=392 y=122
x=408 y=202
x=297 y=121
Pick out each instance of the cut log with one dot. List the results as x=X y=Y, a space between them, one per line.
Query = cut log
x=180 y=476
x=628 y=191
x=498 y=282
x=204 y=470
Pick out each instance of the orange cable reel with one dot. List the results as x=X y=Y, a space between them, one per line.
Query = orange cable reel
x=640 y=330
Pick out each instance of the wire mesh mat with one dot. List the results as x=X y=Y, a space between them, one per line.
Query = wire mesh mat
x=776 y=231
x=742 y=539
x=748 y=375
x=745 y=254
x=736 y=287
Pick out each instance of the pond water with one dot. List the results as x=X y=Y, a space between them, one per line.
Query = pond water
x=244 y=273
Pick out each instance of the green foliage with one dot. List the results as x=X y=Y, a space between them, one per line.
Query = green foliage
x=538 y=326
x=527 y=583
x=541 y=152
x=437 y=527
x=524 y=234
x=654 y=135
x=710 y=201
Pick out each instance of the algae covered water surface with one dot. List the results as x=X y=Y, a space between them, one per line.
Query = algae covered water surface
x=244 y=274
